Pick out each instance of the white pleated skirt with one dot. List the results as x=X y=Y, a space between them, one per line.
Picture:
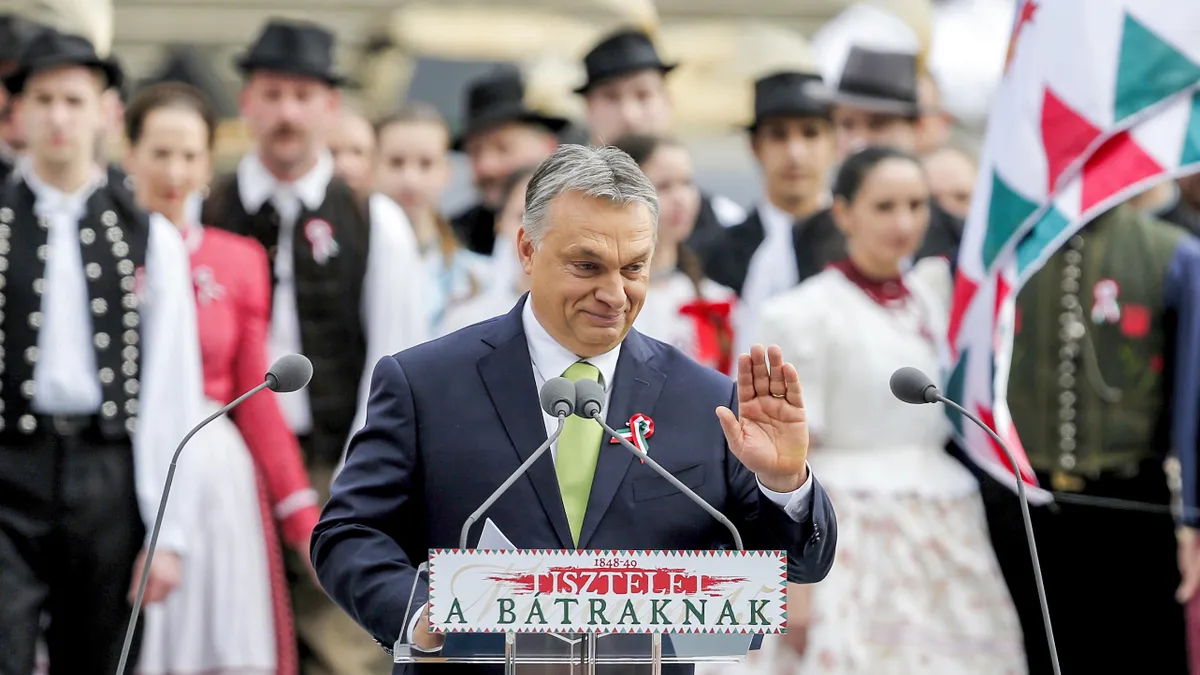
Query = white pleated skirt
x=219 y=619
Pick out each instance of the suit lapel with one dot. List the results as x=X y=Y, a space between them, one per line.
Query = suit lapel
x=508 y=376
x=636 y=387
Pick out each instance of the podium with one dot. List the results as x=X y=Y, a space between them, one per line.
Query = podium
x=639 y=610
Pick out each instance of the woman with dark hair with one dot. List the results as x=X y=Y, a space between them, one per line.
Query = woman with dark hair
x=230 y=614
x=916 y=587
x=683 y=307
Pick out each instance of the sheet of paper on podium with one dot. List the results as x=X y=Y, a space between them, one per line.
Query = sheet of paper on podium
x=492 y=538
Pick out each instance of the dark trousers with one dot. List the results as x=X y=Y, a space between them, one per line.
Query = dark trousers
x=70 y=531
x=1110 y=577
x=328 y=641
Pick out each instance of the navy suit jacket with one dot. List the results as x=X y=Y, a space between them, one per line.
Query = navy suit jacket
x=449 y=420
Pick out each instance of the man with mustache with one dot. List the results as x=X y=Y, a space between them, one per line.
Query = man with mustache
x=500 y=135
x=344 y=291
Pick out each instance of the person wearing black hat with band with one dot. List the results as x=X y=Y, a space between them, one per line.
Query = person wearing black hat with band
x=877 y=104
x=344 y=291
x=499 y=135
x=626 y=93
x=792 y=139
x=101 y=377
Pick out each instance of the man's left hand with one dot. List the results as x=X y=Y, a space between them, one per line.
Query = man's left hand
x=771 y=436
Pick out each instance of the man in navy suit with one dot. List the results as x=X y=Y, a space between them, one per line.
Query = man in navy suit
x=449 y=420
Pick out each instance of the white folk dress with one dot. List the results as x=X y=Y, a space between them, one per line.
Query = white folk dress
x=915 y=587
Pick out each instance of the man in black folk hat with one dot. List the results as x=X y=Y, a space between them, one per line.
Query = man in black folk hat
x=101 y=377
x=877 y=104
x=499 y=135
x=792 y=139
x=626 y=93
x=344 y=288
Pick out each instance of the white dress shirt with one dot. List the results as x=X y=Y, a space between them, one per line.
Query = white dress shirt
x=172 y=385
x=728 y=212
x=550 y=359
x=772 y=271
x=393 y=301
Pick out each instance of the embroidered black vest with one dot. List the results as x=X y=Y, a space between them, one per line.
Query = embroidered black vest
x=328 y=297
x=113 y=237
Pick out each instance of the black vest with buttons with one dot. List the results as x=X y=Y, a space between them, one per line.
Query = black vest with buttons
x=113 y=238
x=328 y=298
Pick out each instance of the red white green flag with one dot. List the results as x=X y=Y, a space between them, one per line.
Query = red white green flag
x=1100 y=100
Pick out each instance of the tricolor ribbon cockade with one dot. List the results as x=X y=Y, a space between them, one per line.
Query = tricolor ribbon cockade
x=640 y=428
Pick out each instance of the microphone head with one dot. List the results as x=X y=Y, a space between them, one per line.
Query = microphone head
x=589 y=398
x=558 y=396
x=290 y=373
x=913 y=386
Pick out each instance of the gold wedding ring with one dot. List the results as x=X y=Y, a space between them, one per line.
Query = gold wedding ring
x=779 y=395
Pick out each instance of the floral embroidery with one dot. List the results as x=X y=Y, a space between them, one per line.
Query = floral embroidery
x=207 y=288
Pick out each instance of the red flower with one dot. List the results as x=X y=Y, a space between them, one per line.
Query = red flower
x=1135 y=321
x=1156 y=363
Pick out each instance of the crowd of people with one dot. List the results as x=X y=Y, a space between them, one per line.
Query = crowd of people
x=328 y=240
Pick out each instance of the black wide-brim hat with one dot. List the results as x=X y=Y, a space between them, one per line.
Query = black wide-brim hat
x=622 y=53
x=499 y=98
x=880 y=82
x=16 y=32
x=790 y=94
x=52 y=49
x=293 y=48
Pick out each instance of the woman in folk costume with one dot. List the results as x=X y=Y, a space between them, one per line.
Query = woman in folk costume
x=414 y=170
x=916 y=587
x=509 y=281
x=231 y=613
x=685 y=308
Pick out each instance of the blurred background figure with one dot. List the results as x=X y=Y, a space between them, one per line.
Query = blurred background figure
x=877 y=104
x=15 y=33
x=500 y=134
x=109 y=373
x=626 y=93
x=344 y=293
x=509 y=280
x=1182 y=206
x=683 y=307
x=352 y=142
x=793 y=142
x=234 y=566
x=951 y=173
x=414 y=170
x=933 y=123
x=916 y=586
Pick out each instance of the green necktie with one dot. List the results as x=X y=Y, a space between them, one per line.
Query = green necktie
x=578 y=450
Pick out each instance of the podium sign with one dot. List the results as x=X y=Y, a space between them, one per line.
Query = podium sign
x=547 y=591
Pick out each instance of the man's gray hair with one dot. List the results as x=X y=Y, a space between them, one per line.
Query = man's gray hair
x=601 y=173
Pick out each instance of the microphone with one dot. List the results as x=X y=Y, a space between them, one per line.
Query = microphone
x=289 y=373
x=589 y=403
x=558 y=399
x=913 y=386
